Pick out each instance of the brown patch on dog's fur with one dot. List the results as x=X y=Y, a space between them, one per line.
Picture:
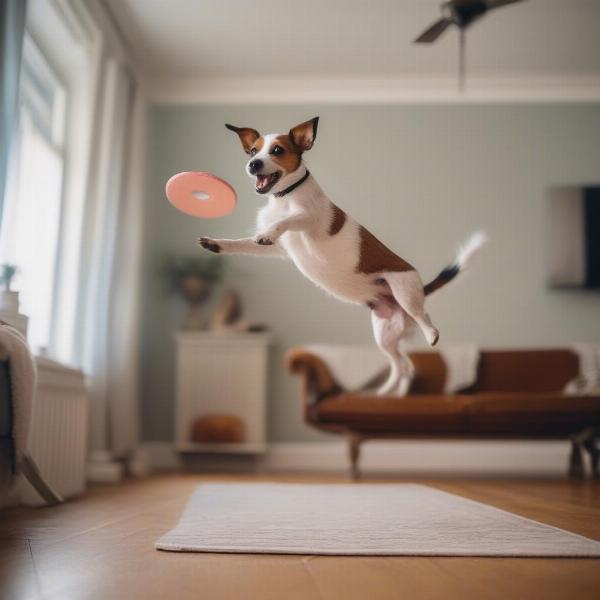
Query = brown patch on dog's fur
x=290 y=160
x=376 y=257
x=247 y=136
x=258 y=144
x=338 y=219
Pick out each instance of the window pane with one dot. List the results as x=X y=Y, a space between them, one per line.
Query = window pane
x=30 y=228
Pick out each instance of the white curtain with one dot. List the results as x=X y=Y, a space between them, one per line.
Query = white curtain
x=12 y=26
x=94 y=322
x=124 y=338
x=107 y=332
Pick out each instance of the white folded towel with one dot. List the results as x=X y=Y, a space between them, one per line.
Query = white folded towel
x=587 y=381
x=461 y=366
x=14 y=349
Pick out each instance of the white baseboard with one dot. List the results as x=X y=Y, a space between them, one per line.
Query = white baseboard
x=545 y=458
x=101 y=468
x=161 y=456
x=426 y=457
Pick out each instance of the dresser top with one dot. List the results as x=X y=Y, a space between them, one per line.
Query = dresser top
x=208 y=338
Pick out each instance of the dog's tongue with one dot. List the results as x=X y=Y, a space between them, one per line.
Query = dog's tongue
x=261 y=181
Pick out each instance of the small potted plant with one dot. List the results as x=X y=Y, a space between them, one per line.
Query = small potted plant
x=193 y=277
x=9 y=300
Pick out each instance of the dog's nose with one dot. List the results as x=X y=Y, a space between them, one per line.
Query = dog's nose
x=254 y=166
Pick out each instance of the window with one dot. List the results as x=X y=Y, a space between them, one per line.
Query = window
x=32 y=210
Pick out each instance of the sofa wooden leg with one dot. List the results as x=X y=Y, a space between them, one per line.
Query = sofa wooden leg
x=576 y=470
x=594 y=452
x=354 y=447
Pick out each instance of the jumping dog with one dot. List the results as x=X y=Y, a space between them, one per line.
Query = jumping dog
x=332 y=249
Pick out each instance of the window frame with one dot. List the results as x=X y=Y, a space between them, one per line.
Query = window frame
x=42 y=104
x=70 y=40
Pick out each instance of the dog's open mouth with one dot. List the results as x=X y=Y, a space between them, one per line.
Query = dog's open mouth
x=265 y=182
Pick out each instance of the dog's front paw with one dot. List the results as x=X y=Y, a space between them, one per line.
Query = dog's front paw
x=209 y=244
x=265 y=239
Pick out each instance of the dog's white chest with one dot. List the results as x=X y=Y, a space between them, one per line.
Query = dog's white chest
x=330 y=261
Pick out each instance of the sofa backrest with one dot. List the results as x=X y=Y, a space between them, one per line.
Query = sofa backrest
x=526 y=370
x=501 y=371
x=430 y=373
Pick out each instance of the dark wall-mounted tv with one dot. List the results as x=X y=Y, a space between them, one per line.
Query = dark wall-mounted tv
x=574 y=237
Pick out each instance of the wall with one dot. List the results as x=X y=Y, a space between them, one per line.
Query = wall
x=420 y=177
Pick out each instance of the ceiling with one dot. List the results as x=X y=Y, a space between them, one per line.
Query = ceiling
x=197 y=40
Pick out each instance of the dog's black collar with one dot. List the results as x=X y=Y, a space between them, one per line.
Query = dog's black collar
x=293 y=186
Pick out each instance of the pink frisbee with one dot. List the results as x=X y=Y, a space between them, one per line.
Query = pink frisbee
x=201 y=195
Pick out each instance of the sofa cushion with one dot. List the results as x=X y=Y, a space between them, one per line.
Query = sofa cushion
x=497 y=414
x=542 y=414
x=421 y=414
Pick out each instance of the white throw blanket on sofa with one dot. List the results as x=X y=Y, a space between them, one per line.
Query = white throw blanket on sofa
x=461 y=366
x=588 y=380
x=353 y=367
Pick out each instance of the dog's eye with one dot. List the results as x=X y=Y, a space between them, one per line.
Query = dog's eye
x=277 y=150
x=253 y=152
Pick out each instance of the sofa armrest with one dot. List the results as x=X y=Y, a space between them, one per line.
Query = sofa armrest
x=5 y=401
x=317 y=380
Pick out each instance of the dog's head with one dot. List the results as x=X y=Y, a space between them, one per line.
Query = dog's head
x=274 y=157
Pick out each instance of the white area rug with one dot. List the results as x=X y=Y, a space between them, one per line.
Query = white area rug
x=380 y=519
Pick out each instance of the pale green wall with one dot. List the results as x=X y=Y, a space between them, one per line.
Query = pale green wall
x=421 y=178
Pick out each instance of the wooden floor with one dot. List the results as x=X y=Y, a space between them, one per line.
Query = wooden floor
x=101 y=547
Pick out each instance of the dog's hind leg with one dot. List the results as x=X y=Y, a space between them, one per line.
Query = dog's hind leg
x=407 y=289
x=388 y=328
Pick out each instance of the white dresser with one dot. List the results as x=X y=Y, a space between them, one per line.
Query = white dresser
x=221 y=373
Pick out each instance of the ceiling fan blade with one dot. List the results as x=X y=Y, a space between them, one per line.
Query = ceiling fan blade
x=498 y=3
x=433 y=33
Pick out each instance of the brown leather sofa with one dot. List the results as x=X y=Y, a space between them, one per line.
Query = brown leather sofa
x=517 y=395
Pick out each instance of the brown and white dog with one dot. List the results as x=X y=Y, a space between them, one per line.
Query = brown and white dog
x=333 y=250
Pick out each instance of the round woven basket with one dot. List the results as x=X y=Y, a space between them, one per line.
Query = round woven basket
x=218 y=429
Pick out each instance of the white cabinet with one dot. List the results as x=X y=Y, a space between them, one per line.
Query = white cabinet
x=224 y=373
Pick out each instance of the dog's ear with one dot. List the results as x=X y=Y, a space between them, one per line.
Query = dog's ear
x=247 y=136
x=305 y=134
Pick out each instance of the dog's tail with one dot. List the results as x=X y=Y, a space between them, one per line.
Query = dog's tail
x=463 y=260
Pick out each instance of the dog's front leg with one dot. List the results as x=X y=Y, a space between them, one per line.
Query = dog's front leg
x=241 y=246
x=297 y=222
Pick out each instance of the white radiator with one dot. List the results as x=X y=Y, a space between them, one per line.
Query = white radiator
x=58 y=435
